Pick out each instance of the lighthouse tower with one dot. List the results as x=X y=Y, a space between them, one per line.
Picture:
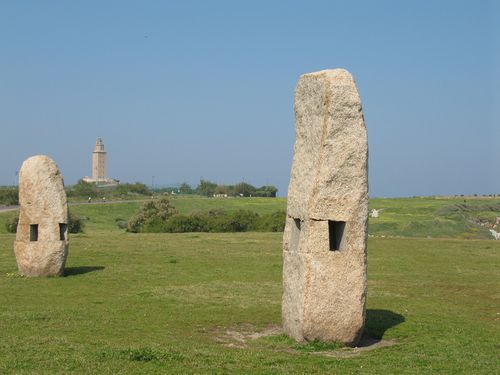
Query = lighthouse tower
x=99 y=168
x=99 y=162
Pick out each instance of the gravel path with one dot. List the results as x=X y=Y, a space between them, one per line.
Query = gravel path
x=15 y=208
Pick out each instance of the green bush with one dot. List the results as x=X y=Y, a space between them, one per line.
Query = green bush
x=152 y=216
x=11 y=225
x=159 y=216
x=187 y=223
x=84 y=189
x=242 y=189
x=121 y=223
x=75 y=223
x=266 y=191
x=9 y=196
x=273 y=222
x=237 y=221
x=123 y=189
x=206 y=188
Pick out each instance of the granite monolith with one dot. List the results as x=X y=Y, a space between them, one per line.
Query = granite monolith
x=324 y=245
x=41 y=244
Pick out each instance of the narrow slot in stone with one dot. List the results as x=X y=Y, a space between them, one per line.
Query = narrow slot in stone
x=295 y=237
x=62 y=231
x=33 y=232
x=336 y=234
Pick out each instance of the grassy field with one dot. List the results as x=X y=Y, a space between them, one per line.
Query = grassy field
x=210 y=303
x=403 y=217
x=104 y=216
x=465 y=218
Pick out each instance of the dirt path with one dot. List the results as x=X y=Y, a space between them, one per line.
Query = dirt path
x=15 y=208
x=8 y=208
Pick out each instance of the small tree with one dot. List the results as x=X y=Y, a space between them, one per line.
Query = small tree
x=153 y=214
x=244 y=189
x=82 y=189
x=206 y=188
x=266 y=191
x=221 y=189
x=185 y=188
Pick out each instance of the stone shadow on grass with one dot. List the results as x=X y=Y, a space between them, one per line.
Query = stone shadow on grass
x=73 y=271
x=379 y=321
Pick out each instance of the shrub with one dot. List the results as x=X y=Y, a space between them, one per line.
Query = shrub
x=187 y=223
x=266 y=191
x=152 y=216
x=138 y=188
x=274 y=222
x=121 y=223
x=11 y=225
x=9 y=196
x=244 y=189
x=206 y=188
x=75 y=223
x=159 y=216
x=82 y=189
x=185 y=188
x=241 y=221
x=218 y=220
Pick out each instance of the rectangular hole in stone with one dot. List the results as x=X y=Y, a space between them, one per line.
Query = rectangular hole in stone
x=297 y=223
x=62 y=231
x=294 y=241
x=33 y=232
x=336 y=234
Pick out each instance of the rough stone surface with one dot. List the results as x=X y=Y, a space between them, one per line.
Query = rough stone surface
x=324 y=260
x=41 y=245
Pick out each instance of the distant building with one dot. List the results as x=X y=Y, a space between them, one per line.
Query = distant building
x=99 y=168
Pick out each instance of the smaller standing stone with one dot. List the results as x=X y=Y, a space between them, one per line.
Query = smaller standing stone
x=41 y=245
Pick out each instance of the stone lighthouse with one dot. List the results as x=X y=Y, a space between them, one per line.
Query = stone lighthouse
x=99 y=161
x=99 y=168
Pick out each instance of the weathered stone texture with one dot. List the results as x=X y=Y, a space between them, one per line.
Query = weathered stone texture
x=324 y=270
x=41 y=245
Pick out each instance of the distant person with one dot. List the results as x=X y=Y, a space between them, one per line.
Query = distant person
x=90 y=200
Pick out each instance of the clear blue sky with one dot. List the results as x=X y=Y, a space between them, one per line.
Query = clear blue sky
x=189 y=89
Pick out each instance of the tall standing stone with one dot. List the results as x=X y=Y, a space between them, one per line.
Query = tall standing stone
x=324 y=245
x=41 y=245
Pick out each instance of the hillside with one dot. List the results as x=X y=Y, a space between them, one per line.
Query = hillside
x=398 y=217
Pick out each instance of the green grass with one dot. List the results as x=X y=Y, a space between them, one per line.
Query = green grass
x=104 y=216
x=164 y=303
x=434 y=217
x=404 y=217
x=188 y=303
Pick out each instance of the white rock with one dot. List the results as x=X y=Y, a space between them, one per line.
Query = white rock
x=495 y=234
